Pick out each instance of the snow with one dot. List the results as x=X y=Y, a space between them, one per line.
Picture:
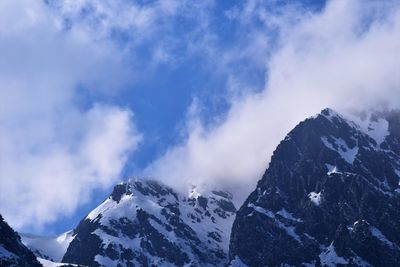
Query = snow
x=315 y=198
x=153 y=204
x=398 y=175
x=330 y=114
x=47 y=263
x=101 y=209
x=105 y=261
x=378 y=234
x=4 y=253
x=376 y=128
x=306 y=264
x=237 y=262
x=358 y=261
x=287 y=215
x=347 y=153
x=330 y=258
x=262 y=210
x=290 y=230
x=52 y=247
x=193 y=193
x=332 y=169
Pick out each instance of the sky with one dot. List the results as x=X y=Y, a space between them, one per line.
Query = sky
x=187 y=92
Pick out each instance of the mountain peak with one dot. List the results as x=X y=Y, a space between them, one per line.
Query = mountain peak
x=330 y=196
x=154 y=224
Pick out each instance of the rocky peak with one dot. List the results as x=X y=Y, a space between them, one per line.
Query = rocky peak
x=330 y=172
x=144 y=222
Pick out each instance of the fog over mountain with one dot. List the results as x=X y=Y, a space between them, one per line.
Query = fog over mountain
x=93 y=92
x=346 y=57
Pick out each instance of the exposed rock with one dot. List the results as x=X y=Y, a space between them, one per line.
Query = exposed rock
x=330 y=196
x=145 y=223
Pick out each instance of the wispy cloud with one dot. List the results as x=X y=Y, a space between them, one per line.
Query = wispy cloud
x=277 y=64
x=342 y=57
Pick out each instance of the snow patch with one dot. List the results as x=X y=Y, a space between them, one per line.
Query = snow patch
x=290 y=230
x=329 y=257
x=4 y=253
x=194 y=193
x=329 y=114
x=376 y=128
x=237 y=262
x=47 y=263
x=398 y=175
x=287 y=215
x=341 y=147
x=378 y=234
x=262 y=211
x=332 y=169
x=315 y=198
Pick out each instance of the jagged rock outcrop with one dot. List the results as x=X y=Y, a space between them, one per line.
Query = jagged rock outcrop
x=329 y=197
x=12 y=251
x=145 y=223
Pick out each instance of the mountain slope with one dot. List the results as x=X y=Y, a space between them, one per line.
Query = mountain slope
x=330 y=196
x=144 y=223
x=12 y=251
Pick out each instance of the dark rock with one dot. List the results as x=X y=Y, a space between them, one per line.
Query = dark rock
x=145 y=223
x=330 y=190
x=12 y=251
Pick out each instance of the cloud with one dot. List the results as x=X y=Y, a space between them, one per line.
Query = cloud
x=148 y=32
x=54 y=151
x=57 y=145
x=344 y=57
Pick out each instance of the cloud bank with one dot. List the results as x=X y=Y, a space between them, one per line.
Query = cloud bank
x=53 y=151
x=346 y=56
x=58 y=143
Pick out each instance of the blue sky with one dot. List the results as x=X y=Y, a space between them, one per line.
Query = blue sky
x=187 y=92
x=161 y=94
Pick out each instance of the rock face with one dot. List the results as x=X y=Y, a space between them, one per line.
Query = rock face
x=12 y=251
x=144 y=223
x=329 y=197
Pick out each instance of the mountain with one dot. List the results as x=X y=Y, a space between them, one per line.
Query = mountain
x=329 y=197
x=12 y=251
x=145 y=223
x=50 y=248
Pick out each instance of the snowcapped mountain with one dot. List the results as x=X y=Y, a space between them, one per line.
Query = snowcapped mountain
x=12 y=251
x=50 y=248
x=145 y=223
x=329 y=197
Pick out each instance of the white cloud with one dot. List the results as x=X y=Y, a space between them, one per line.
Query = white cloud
x=345 y=57
x=54 y=153
x=136 y=26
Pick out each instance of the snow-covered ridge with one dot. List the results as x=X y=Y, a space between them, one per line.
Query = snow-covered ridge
x=373 y=126
x=160 y=226
x=372 y=123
